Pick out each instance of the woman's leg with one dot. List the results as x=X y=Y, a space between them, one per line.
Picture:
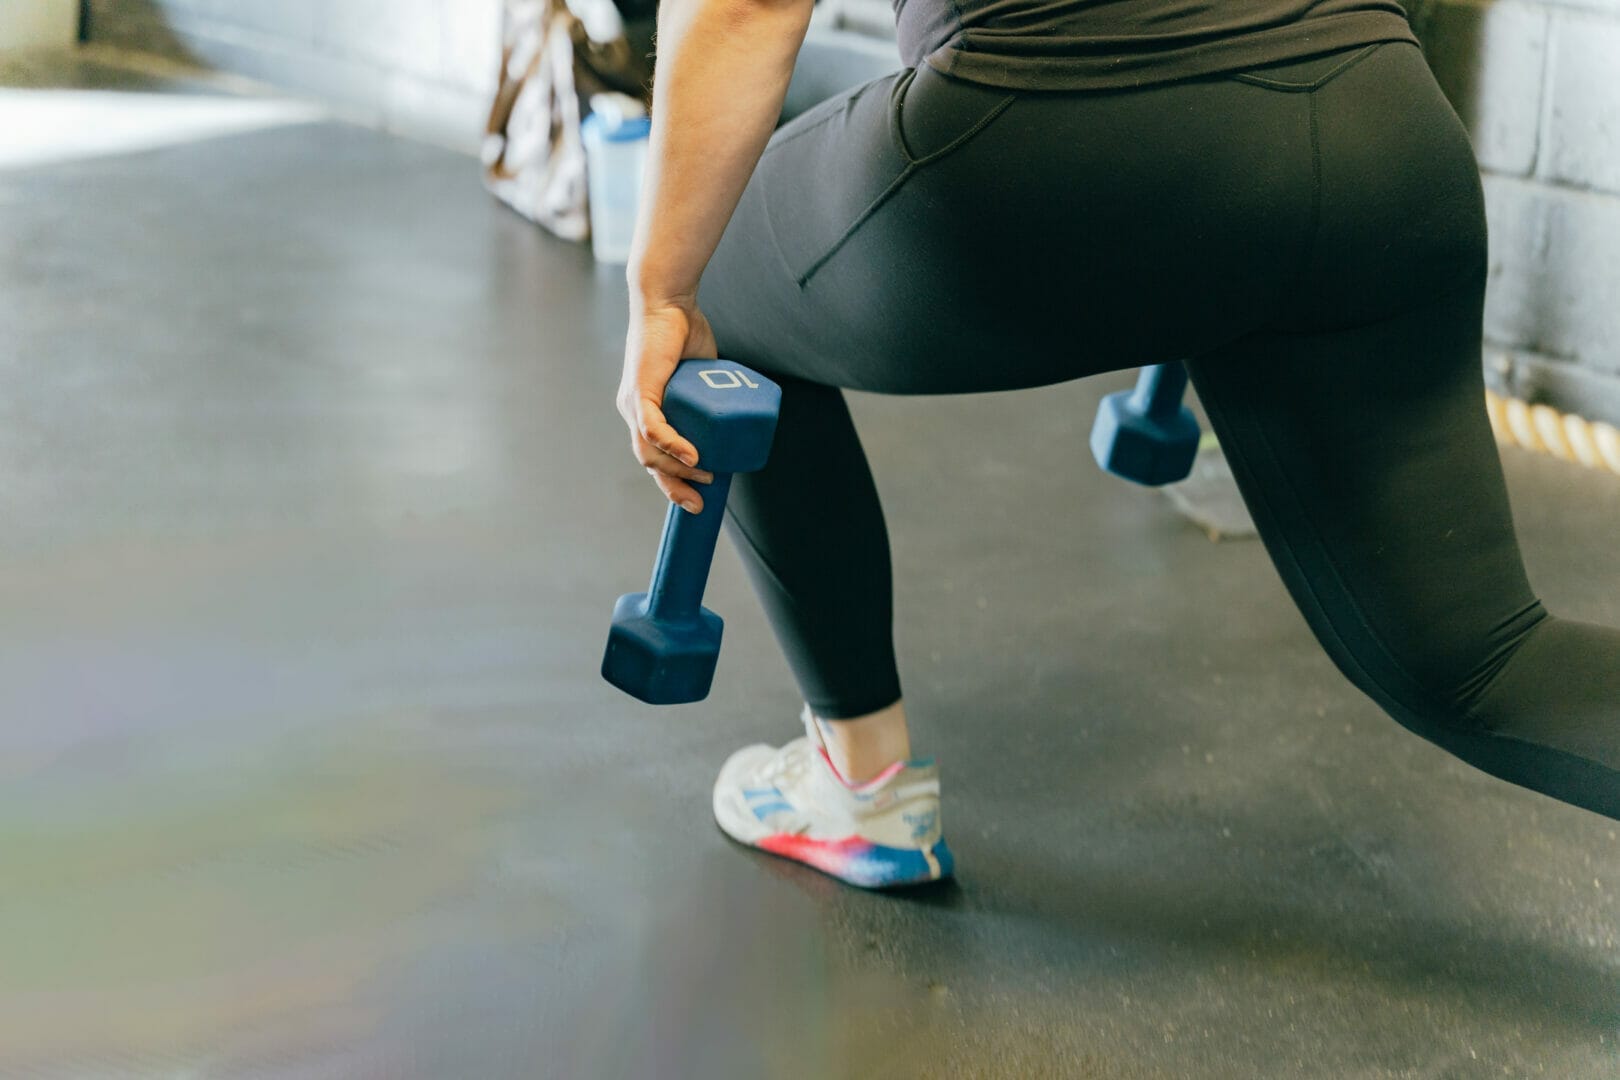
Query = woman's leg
x=1366 y=458
x=1356 y=427
x=809 y=526
x=811 y=532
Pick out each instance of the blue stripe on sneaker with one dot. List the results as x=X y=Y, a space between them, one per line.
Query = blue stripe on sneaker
x=764 y=810
x=756 y=793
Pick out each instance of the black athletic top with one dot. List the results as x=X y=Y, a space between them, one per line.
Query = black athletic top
x=1110 y=44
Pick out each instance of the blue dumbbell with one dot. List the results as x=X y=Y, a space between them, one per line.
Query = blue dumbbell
x=664 y=642
x=1147 y=434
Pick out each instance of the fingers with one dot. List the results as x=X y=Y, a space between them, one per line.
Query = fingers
x=641 y=411
x=652 y=427
x=659 y=337
x=668 y=458
x=678 y=492
x=673 y=478
x=656 y=460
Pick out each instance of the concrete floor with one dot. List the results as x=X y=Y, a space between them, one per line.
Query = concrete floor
x=316 y=507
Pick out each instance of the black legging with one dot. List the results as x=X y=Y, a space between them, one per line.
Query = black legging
x=1311 y=235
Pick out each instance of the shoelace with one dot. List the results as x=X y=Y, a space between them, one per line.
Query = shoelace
x=787 y=767
x=789 y=764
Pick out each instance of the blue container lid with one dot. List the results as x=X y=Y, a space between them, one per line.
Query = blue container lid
x=628 y=130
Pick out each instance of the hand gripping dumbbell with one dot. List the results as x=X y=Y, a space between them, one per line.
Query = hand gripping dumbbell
x=664 y=642
x=1147 y=434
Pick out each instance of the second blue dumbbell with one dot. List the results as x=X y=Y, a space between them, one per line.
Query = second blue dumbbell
x=664 y=643
x=1147 y=434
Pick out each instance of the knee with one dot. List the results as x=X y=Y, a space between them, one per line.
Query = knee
x=1448 y=693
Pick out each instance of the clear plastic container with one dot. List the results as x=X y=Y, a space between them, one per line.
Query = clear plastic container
x=615 y=137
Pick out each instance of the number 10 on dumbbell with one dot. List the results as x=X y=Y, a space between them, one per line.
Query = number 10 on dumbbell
x=664 y=643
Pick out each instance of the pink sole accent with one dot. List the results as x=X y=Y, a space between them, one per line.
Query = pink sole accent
x=852 y=859
x=824 y=854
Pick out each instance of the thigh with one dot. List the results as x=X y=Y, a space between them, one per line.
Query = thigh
x=1355 y=419
x=1366 y=457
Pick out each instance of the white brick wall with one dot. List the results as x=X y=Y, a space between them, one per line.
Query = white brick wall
x=1582 y=136
x=1538 y=84
x=424 y=67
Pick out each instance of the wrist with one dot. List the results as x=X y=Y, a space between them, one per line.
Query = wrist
x=651 y=287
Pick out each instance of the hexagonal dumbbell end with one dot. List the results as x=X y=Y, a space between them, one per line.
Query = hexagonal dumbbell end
x=663 y=644
x=1147 y=435
x=659 y=660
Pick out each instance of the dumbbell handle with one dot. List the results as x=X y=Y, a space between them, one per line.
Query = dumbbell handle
x=685 y=553
x=1159 y=390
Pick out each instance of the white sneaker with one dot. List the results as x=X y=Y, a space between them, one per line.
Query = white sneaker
x=791 y=802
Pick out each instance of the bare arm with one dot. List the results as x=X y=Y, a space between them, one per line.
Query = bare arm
x=723 y=70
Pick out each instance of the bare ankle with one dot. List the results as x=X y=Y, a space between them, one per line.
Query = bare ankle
x=860 y=747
